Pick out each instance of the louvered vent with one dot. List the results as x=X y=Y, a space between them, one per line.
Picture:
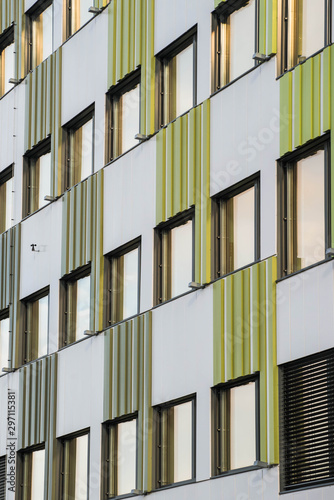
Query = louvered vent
x=307 y=421
x=3 y=477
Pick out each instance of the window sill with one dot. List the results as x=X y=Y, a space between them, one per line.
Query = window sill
x=312 y=266
x=174 y=485
x=303 y=62
x=242 y=470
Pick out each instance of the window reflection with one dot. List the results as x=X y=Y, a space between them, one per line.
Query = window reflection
x=82 y=307
x=126 y=457
x=242 y=407
x=181 y=258
x=8 y=188
x=37 y=328
x=81 y=142
x=37 y=474
x=39 y=181
x=8 y=63
x=184 y=77
x=75 y=468
x=4 y=343
x=310 y=210
x=42 y=34
x=243 y=228
x=129 y=116
x=242 y=40
x=130 y=287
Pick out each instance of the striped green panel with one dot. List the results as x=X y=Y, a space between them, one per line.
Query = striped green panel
x=20 y=39
x=326 y=88
x=286 y=113
x=15 y=310
x=7 y=12
x=128 y=384
x=298 y=106
x=183 y=179
x=262 y=26
x=244 y=335
x=272 y=27
x=306 y=111
x=5 y=266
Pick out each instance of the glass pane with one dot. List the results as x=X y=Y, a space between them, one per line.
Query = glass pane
x=81 y=468
x=242 y=428
x=37 y=475
x=9 y=189
x=47 y=32
x=4 y=343
x=243 y=228
x=242 y=40
x=9 y=66
x=44 y=179
x=83 y=307
x=87 y=150
x=181 y=260
x=126 y=457
x=130 y=284
x=183 y=442
x=184 y=80
x=43 y=326
x=311 y=27
x=85 y=16
x=130 y=118
x=310 y=210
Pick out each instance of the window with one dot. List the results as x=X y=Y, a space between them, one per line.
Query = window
x=234 y=41
x=4 y=340
x=37 y=174
x=36 y=325
x=123 y=282
x=40 y=32
x=75 y=296
x=304 y=209
x=175 y=443
x=121 y=457
x=77 y=15
x=123 y=117
x=75 y=467
x=234 y=426
x=7 y=60
x=31 y=474
x=6 y=190
x=177 y=68
x=79 y=148
x=306 y=29
x=237 y=227
x=307 y=422
x=174 y=260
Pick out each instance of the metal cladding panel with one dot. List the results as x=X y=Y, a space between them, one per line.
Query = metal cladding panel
x=183 y=178
x=7 y=11
x=131 y=44
x=43 y=112
x=244 y=329
x=128 y=384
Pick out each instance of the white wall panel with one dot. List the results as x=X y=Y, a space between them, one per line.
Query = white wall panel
x=129 y=208
x=305 y=313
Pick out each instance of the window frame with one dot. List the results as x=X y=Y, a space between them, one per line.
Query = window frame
x=221 y=16
x=27 y=344
x=31 y=157
x=114 y=136
x=106 y=445
x=61 y=441
x=6 y=38
x=219 y=268
x=163 y=116
x=5 y=176
x=283 y=32
x=21 y=471
x=31 y=15
x=216 y=451
x=162 y=255
x=112 y=310
x=4 y=314
x=70 y=129
x=65 y=338
x=158 y=438
x=286 y=184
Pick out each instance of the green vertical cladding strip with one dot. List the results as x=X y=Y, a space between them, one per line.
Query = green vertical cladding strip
x=169 y=169
x=184 y=163
x=228 y=327
x=115 y=375
x=176 y=165
x=316 y=96
x=15 y=309
x=298 y=101
x=237 y=319
x=192 y=155
x=306 y=115
x=39 y=101
x=129 y=363
x=99 y=295
x=72 y=219
x=244 y=308
x=33 y=121
x=161 y=177
x=286 y=113
x=107 y=370
x=198 y=193
x=122 y=367
x=112 y=43
x=138 y=32
x=245 y=328
x=262 y=26
x=64 y=235
x=326 y=86
x=22 y=409
x=150 y=68
x=205 y=194
x=28 y=113
x=218 y=340
x=272 y=27
x=136 y=364
x=144 y=75
x=119 y=41
x=132 y=35
x=77 y=216
x=125 y=37
x=147 y=407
